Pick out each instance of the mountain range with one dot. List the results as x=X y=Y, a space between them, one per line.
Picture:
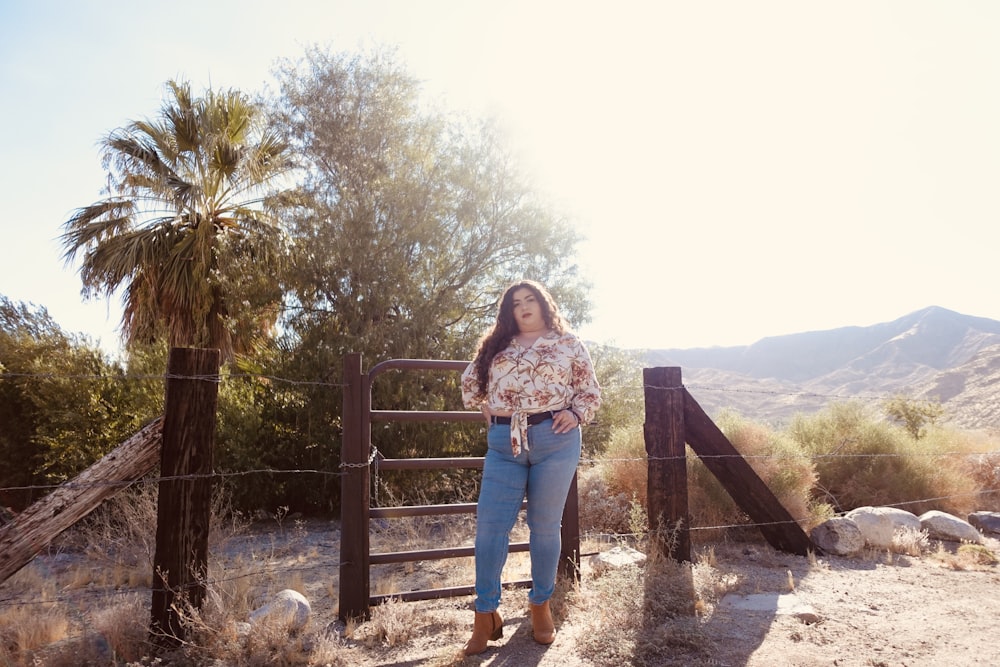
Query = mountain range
x=933 y=354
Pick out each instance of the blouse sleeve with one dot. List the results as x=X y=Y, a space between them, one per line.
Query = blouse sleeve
x=472 y=398
x=586 y=390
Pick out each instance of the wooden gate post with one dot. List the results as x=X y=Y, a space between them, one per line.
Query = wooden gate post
x=569 y=558
x=183 y=511
x=666 y=485
x=355 y=496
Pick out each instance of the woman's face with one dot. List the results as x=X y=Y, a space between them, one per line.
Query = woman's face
x=527 y=311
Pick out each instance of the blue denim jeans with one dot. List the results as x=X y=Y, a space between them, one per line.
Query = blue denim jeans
x=543 y=473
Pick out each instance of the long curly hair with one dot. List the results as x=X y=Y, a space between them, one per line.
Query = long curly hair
x=505 y=328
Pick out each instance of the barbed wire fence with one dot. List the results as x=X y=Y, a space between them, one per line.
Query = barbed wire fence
x=274 y=569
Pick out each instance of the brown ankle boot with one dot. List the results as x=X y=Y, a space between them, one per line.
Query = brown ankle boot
x=542 y=626
x=488 y=625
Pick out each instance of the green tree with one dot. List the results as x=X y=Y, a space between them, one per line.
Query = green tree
x=912 y=414
x=622 y=398
x=62 y=404
x=408 y=225
x=412 y=222
x=186 y=214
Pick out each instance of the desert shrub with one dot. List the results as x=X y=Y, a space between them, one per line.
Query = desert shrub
x=977 y=458
x=625 y=467
x=125 y=627
x=613 y=491
x=863 y=460
x=603 y=510
x=782 y=465
x=776 y=459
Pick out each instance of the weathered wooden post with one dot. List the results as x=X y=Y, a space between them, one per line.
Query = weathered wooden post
x=569 y=558
x=180 y=563
x=666 y=485
x=355 y=495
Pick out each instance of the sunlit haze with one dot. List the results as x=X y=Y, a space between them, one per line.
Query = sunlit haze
x=737 y=169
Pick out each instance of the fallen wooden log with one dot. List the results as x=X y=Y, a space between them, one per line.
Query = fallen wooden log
x=34 y=529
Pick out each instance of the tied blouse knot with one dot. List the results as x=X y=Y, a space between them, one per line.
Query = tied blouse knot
x=554 y=373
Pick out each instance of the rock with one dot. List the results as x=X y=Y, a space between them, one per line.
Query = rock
x=879 y=524
x=616 y=558
x=839 y=536
x=289 y=607
x=944 y=526
x=986 y=522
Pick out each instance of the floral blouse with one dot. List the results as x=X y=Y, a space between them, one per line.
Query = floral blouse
x=554 y=373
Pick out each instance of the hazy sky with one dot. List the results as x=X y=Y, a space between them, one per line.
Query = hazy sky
x=739 y=169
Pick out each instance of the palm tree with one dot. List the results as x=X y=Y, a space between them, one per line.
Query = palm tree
x=186 y=217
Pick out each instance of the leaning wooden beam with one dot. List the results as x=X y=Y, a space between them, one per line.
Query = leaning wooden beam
x=34 y=529
x=742 y=482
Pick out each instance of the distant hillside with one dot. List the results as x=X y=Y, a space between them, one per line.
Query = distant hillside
x=933 y=353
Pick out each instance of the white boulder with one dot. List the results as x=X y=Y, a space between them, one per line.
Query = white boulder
x=615 y=559
x=947 y=527
x=288 y=607
x=878 y=525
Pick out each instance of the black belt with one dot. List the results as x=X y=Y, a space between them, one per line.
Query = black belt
x=536 y=418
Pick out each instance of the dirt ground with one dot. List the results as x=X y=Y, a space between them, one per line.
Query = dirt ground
x=880 y=610
x=770 y=609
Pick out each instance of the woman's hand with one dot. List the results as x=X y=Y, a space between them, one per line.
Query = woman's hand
x=564 y=421
x=486 y=413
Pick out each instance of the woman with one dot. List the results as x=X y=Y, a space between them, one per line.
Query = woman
x=534 y=382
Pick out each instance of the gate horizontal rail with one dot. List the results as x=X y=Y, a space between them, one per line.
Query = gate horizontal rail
x=434 y=554
x=429 y=464
x=425 y=510
x=439 y=593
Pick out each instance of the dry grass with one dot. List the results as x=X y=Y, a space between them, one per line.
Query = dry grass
x=31 y=626
x=649 y=615
x=910 y=542
x=965 y=556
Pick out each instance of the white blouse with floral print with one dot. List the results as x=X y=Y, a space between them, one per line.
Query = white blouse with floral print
x=554 y=373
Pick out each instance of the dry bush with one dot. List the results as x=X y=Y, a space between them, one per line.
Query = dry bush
x=910 y=541
x=120 y=534
x=863 y=460
x=776 y=459
x=977 y=554
x=393 y=622
x=125 y=627
x=609 y=503
x=625 y=464
x=982 y=465
x=601 y=509
x=113 y=547
x=613 y=492
x=218 y=633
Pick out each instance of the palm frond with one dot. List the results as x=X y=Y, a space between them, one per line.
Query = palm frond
x=188 y=194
